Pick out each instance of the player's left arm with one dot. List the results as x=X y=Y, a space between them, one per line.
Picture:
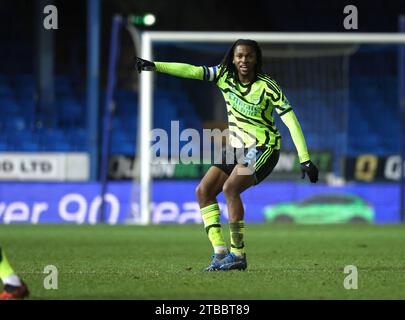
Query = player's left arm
x=287 y=115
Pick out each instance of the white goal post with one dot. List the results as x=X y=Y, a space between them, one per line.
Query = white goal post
x=148 y=38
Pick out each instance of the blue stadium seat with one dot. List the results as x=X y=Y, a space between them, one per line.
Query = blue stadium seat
x=57 y=146
x=63 y=86
x=78 y=138
x=121 y=143
x=27 y=146
x=25 y=91
x=3 y=146
x=19 y=140
x=14 y=123
x=53 y=140
x=70 y=112
x=8 y=102
x=28 y=109
x=6 y=91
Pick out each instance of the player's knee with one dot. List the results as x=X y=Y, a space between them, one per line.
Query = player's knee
x=230 y=190
x=202 y=192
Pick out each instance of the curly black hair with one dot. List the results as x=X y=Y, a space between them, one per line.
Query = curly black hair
x=227 y=64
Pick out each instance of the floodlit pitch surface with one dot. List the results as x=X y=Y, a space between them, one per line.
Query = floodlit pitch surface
x=165 y=262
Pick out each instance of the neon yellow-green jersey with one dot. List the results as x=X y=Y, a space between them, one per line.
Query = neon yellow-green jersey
x=250 y=106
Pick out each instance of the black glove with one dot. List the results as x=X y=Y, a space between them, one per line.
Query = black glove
x=144 y=65
x=311 y=170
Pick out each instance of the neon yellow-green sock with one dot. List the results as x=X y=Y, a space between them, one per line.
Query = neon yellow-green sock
x=5 y=268
x=237 y=230
x=211 y=217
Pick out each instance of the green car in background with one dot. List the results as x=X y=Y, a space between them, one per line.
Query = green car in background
x=322 y=208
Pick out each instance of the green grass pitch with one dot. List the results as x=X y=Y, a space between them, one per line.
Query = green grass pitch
x=165 y=262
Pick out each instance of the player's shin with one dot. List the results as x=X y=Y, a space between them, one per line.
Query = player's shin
x=237 y=230
x=212 y=224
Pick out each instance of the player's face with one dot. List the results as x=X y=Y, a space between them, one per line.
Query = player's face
x=244 y=59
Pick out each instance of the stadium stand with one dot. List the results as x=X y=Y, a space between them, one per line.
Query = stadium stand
x=23 y=128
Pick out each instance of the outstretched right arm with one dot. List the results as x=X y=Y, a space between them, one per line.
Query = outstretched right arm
x=182 y=70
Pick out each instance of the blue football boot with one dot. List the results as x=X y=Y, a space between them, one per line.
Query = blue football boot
x=233 y=262
x=214 y=266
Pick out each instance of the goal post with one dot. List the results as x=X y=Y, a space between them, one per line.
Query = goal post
x=401 y=96
x=149 y=38
x=145 y=118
